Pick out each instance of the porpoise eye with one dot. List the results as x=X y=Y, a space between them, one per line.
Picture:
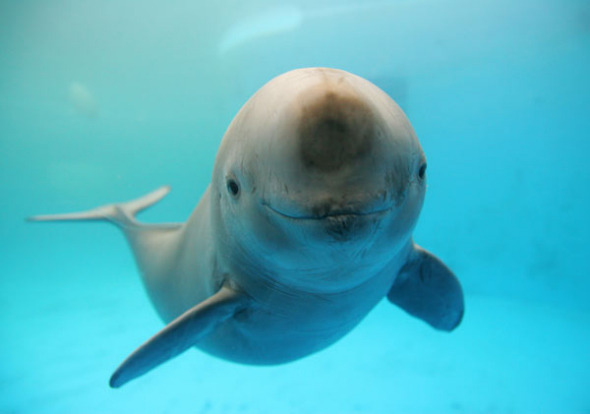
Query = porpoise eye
x=422 y=171
x=233 y=187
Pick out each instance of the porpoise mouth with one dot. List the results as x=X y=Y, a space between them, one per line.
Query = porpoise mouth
x=331 y=214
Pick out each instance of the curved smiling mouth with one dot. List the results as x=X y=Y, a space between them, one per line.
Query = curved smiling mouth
x=336 y=213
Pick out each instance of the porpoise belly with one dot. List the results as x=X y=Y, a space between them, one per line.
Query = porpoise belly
x=259 y=337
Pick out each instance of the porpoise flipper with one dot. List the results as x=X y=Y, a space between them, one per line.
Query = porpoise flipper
x=180 y=334
x=427 y=289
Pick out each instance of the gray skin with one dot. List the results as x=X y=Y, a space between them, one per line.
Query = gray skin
x=306 y=225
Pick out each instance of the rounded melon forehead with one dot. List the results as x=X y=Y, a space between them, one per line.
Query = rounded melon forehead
x=323 y=121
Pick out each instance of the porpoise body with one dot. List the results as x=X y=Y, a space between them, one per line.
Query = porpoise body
x=306 y=225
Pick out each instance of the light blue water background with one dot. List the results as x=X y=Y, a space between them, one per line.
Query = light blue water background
x=103 y=101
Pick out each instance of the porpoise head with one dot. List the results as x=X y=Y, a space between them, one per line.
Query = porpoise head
x=320 y=173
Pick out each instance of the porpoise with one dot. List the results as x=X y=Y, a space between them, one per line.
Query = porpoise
x=306 y=225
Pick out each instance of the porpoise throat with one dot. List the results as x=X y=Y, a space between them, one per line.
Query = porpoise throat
x=305 y=226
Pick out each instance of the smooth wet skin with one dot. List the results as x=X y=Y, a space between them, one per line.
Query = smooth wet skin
x=306 y=225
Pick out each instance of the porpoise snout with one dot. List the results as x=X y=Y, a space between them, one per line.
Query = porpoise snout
x=338 y=224
x=351 y=227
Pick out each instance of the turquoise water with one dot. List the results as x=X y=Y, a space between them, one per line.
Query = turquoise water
x=105 y=101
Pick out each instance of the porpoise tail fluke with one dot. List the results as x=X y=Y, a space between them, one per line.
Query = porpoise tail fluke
x=121 y=214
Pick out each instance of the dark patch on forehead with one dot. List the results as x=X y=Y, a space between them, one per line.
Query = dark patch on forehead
x=335 y=130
